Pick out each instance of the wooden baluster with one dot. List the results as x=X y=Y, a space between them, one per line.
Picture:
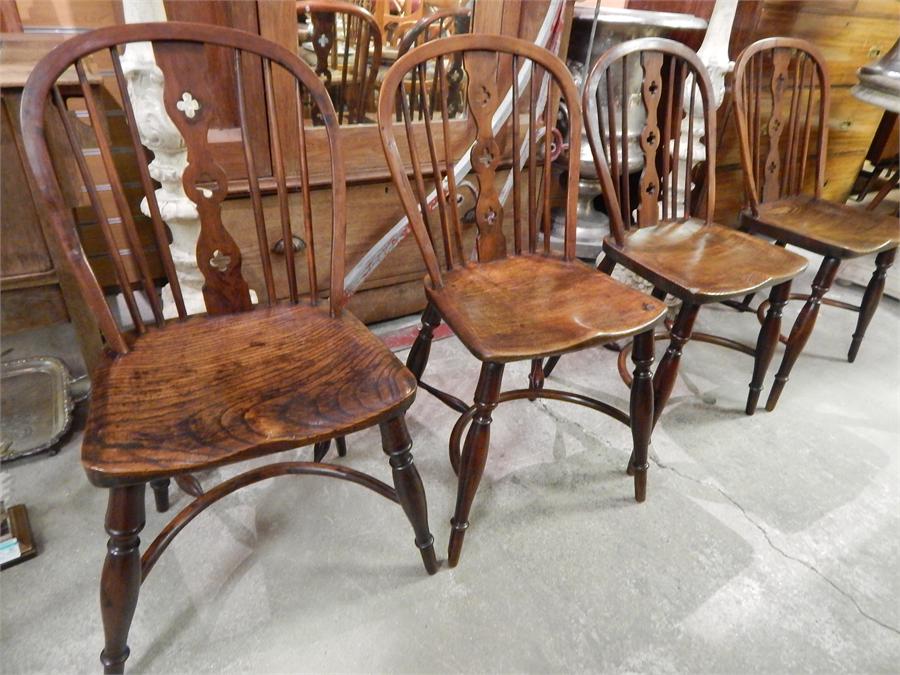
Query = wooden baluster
x=448 y=159
x=676 y=115
x=437 y=175
x=308 y=228
x=516 y=168
x=143 y=162
x=532 y=161
x=690 y=148
x=118 y=190
x=112 y=246
x=807 y=127
x=547 y=172
x=787 y=179
x=281 y=188
x=614 y=144
x=420 y=180
x=253 y=181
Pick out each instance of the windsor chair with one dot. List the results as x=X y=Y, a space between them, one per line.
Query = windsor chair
x=346 y=43
x=507 y=299
x=172 y=397
x=670 y=242
x=781 y=92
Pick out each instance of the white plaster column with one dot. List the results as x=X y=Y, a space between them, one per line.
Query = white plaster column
x=714 y=55
x=160 y=135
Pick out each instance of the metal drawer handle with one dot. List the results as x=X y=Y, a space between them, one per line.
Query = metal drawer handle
x=297 y=245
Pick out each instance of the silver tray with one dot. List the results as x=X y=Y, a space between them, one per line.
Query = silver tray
x=37 y=396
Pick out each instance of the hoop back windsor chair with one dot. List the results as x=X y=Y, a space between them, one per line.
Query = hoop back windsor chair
x=782 y=101
x=503 y=291
x=171 y=397
x=672 y=240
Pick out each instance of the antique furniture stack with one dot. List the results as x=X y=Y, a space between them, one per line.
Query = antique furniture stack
x=276 y=360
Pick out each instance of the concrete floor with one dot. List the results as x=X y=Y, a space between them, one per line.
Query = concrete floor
x=767 y=543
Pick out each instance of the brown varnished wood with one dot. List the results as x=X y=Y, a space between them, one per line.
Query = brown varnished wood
x=333 y=377
x=511 y=298
x=532 y=306
x=240 y=381
x=704 y=262
x=689 y=256
x=824 y=227
x=791 y=211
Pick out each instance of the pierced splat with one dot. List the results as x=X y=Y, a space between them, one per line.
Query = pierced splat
x=481 y=69
x=781 y=59
x=205 y=182
x=649 y=209
x=323 y=24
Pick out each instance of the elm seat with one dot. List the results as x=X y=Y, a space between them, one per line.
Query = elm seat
x=242 y=385
x=532 y=306
x=824 y=227
x=706 y=262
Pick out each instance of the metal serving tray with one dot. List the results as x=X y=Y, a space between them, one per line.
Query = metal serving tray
x=36 y=403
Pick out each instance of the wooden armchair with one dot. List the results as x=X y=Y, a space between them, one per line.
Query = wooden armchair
x=175 y=397
x=781 y=86
x=506 y=300
x=655 y=232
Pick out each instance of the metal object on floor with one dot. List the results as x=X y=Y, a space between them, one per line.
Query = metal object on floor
x=38 y=397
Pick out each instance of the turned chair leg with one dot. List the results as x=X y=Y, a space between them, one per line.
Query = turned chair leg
x=161 y=494
x=802 y=328
x=766 y=343
x=421 y=349
x=320 y=449
x=641 y=411
x=474 y=454
x=607 y=265
x=121 y=577
x=870 y=300
x=396 y=443
x=536 y=376
x=667 y=370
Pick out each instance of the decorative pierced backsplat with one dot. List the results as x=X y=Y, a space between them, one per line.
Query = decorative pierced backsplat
x=505 y=136
x=190 y=58
x=481 y=68
x=675 y=95
x=190 y=103
x=781 y=94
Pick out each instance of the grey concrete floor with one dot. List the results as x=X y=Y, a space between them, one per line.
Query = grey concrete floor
x=767 y=543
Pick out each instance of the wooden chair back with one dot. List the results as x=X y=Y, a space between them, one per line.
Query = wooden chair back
x=443 y=23
x=781 y=90
x=675 y=89
x=347 y=44
x=188 y=57
x=506 y=126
